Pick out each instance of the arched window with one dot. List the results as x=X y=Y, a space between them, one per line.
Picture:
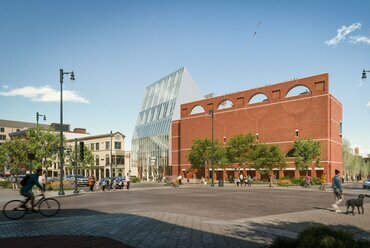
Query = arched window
x=290 y=154
x=260 y=97
x=226 y=104
x=106 y=159
x=197 y=110
x=298 y=90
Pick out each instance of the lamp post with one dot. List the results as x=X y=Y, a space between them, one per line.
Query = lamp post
x=364 y=74
x=111 y=147
x=38 y=116
x=211 y=113
x=61 y=155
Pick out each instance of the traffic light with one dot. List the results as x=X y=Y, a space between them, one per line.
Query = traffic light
x=82 y=150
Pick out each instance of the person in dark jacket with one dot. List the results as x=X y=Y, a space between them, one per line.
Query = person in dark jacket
x=338 y=192
x=26 y=190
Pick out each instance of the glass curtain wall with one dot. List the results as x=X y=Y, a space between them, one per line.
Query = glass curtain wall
x=150 y=146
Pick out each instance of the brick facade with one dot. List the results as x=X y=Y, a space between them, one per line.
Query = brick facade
x=314 y=115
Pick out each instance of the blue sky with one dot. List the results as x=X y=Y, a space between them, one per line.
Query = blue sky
x=117 y=48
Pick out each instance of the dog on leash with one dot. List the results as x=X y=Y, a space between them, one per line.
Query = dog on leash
x=359 y=203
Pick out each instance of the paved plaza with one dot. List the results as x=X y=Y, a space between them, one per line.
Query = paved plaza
x=151 y=215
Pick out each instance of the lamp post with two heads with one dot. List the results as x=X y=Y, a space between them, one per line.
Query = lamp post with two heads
x=364 y=74
x=61 y=155
x=38 y=116
x=211 y=113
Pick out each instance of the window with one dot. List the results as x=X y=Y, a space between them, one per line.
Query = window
x=2 y=129
x=117 y=145
x=106 y=145
x=97 y=146
x=296 y=133
x=107 y=159
x=92 y=146
x=2 y=137
x=119 y=159
x=257 y=136
x=340 y=128
x=96 y=160
x=18 y=130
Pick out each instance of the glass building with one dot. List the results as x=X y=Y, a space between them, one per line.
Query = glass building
x=161 y=104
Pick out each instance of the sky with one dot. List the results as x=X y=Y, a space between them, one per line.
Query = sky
x=117 y=48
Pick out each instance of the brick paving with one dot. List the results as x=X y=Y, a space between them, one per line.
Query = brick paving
x=152 y=228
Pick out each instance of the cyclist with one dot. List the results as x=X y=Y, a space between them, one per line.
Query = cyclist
x=26 y=190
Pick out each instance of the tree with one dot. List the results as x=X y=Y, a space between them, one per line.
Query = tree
x=306 y=151
x=86 y=163
x=201 y=154
x=43 y=143
x=267 y=157
x=240 y=149
x=14 y=155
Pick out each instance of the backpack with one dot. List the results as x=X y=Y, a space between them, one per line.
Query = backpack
x=25 y=180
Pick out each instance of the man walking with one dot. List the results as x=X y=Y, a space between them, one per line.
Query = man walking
x=338 y=193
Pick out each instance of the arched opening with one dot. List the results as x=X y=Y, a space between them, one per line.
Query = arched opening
x=260 y=97
x=290 y=154
x=225 y=104
x=197 y=110
x=298 y=90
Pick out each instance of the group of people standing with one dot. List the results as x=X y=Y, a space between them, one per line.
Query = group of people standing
x=114 y=184
x=246 y=180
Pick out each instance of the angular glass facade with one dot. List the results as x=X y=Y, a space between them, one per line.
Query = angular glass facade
x=161 y=104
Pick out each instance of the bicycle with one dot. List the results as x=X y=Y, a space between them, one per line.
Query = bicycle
x=16 y=209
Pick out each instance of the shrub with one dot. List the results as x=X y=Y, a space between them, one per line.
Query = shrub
x=320 y=236
x=135 y=179
x=316 y=181
x=5 y=184
x=284 y=182
x=298 y=181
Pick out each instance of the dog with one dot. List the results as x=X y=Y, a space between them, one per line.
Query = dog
x=359 y=203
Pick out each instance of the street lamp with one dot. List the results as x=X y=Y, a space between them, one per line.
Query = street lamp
x=364 y=74
x=61 y=75
x=38 y=116
x=111 y=147
x=211 y=113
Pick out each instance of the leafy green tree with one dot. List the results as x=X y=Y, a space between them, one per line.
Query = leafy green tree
x=43 y=143
x=14 y=155
x=306 y=151
x=86 y=163
x=200 y=154
x=267 y=157
x=240 y=149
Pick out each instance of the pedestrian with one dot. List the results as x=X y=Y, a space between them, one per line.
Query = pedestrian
x=127 y=181
x=43 y=180
x=338 y=192
x=14 y=181
x=241 y=179
x=91 y=182
x=103 y=184
x=114 y=183
x=323 y=181
x=249 y=181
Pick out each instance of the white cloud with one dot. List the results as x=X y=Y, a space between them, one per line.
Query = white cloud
x=45 y=94
x=4 y=86
x=368 y=104
x=360 y=39
x=342 y=33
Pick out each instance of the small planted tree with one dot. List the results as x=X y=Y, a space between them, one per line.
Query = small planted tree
x=240 y=149
x=306 y=151
x=200 y=155
x=268 y=157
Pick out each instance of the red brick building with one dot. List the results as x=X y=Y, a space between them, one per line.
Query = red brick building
x=278 y=118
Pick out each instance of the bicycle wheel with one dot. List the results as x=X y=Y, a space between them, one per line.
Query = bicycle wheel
x=49 y=207
x=12 y=209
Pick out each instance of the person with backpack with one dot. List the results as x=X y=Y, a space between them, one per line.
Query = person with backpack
x=13 y=179
x=27 y=184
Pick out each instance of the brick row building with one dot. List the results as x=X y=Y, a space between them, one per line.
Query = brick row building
x=275 y=114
